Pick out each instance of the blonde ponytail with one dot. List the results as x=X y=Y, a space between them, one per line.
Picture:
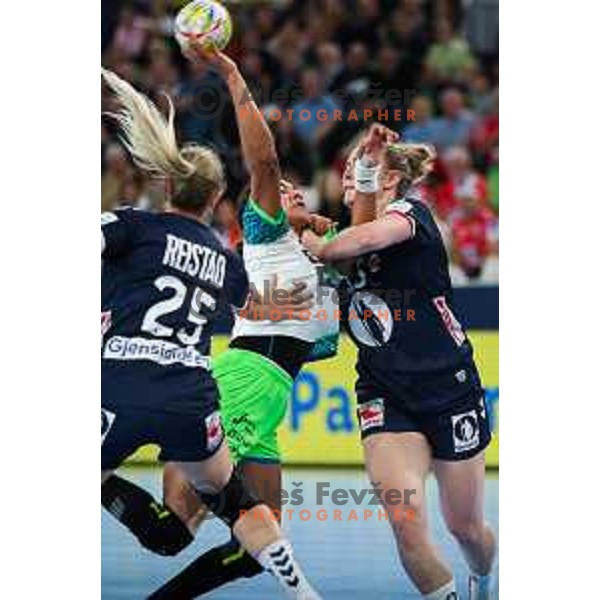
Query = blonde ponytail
x=194 y=172
x=414 y=161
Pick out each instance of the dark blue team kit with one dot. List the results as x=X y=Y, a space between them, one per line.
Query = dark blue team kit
x=165 y=279
x=415 y=363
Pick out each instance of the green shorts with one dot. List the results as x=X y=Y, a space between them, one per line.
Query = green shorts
x=254 y=396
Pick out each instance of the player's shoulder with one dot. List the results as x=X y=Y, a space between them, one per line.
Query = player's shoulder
x=410 y=204
x=418 y=213
x=127 y=214
x=260 y=227
x=402 y=205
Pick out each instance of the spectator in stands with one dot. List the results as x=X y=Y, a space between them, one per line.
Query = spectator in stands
x=449 y=59
x=472 y=231
x=164 y=21
x=264 y=21
x=131 y=33
x=226 y=225
x=313 y=116
x=480 y=93
x=296 y=55
x=362 y=26
x=407 y=30
x=421 y=130
x=295 y=158
x=289 y=44
x=134 y=192
x=105 y=140
x=157 y=49
x=260 y=80
x=486 y=132
x=329 y=58
x=388 y=82
x=330 y=16
x=460 y=176
x=356 y=78
x=199 y=101
x=453 y=127
x=493 y=180
x=162 y=78
x=124 y=68
x=117 y=169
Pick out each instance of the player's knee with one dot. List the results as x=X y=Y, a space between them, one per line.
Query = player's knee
x=166 y=535
x=465 y=531
x=405 y=514
x=157 y=528
x=409 y=524
x=232 y=501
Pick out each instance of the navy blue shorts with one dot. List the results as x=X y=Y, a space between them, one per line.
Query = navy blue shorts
x=175 y=408
x=447 y=407
x=181 y=437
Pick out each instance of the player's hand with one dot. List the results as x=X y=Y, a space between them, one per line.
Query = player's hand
x=312 y=242
x=196 y=52
x=299 y=218
x=376 y=140
x=321 y=225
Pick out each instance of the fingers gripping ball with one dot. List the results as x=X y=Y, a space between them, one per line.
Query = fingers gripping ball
x=203 y=22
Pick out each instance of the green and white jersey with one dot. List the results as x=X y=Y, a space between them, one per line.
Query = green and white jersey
x=272 y=248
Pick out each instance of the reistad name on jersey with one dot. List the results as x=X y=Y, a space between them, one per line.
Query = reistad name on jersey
x=198 y=261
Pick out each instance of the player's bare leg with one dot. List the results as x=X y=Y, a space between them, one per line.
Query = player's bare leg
x=402 y=461
x=461 y=486
x=256 y=529
x=227 y=562
x=264 y=480
x=180 y=497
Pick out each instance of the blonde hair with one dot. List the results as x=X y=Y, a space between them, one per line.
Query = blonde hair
x=195 y=173
x=414 y=161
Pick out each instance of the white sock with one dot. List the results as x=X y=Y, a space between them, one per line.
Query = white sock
x=446 y=592
x=278 y=559
x=480 y=587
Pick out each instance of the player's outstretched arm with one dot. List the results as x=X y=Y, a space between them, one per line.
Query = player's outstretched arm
x=361 y=239
x=258 y=145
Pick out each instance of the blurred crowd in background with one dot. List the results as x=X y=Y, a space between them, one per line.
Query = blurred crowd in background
x=371 y=59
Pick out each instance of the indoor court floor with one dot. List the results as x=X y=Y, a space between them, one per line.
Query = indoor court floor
x=348 y=559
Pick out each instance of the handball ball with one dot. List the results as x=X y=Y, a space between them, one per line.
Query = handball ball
x=204 y=22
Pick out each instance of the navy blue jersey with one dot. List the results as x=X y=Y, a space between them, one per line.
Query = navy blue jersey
x=398 y=306
x=165 y=278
